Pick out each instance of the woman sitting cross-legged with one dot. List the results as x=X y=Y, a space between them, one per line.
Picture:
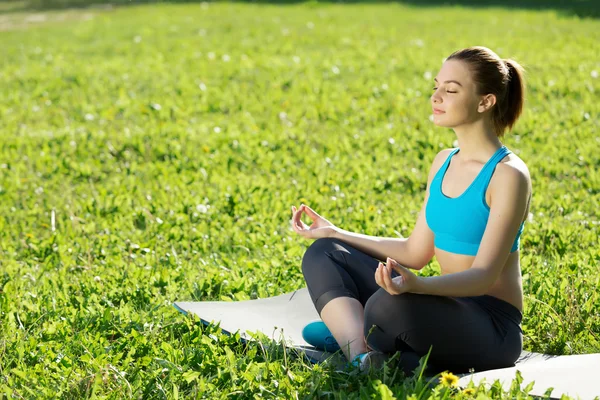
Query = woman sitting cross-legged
x=475 y=206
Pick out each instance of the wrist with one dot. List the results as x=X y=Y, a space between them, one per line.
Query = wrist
x=419 y=286
x=336 y=232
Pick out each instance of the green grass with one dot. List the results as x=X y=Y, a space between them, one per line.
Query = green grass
x=151 y=154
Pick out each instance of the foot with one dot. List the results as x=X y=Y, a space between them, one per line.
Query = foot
x=318 y=335
x=370 y=360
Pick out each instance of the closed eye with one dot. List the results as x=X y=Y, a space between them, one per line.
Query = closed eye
x=447 y=91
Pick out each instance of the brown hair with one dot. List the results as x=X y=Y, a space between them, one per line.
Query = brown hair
x=503 y=78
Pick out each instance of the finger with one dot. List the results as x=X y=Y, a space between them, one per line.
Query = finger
x=293 y=220
x=296 y=219
x=377 y=274
x=381 y=272
x=402 y=270
x=392 y=263
x=387 y=276
x=296 y=222
x=309 y=211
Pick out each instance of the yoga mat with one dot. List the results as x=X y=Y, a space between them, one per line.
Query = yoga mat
x=283 y=317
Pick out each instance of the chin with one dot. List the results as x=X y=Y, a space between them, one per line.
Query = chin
x=438 y=122
x=444 y=121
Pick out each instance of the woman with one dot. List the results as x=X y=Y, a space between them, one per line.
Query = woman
x=475 y=207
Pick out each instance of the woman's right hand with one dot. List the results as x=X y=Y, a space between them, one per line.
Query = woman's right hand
x=320 y=227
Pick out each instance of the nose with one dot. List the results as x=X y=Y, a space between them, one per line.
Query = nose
x=434 y=98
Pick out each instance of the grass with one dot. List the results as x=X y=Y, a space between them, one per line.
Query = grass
x=151 y=154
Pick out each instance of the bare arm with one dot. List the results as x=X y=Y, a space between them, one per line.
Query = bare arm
x=378 y=247
x=412 y=252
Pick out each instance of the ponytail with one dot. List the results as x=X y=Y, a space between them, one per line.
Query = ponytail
x=511 y=105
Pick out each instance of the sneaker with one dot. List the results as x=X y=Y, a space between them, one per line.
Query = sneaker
x=371 y=359
x=318 y=335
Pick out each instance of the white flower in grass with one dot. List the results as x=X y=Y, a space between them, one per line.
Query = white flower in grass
x=335 y=70
x=310 y=25
x=203 y=208
x=202 y=86
x=137 y=39
x=427 y=75
x=216 y=129
x=296 y=59
x=594 y=74
x=211 y=55
x=226 y=58
x=89 y=117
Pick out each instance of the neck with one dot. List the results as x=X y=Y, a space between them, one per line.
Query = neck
x=477 y=141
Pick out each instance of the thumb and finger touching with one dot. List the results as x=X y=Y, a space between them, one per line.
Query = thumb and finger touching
x=297 y=222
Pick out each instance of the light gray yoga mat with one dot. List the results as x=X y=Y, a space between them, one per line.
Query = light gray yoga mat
x=283 y=317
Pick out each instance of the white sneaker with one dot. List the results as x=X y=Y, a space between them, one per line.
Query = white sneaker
x=372 y=359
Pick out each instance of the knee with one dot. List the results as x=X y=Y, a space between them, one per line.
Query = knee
x=384 y=310
x=316 y=251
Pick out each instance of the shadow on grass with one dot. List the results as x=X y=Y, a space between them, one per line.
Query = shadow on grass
x=580 y=8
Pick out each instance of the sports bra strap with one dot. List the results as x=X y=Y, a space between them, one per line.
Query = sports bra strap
x=485 y=175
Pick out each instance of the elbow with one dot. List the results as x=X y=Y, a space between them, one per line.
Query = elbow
x=484 y=283
x=424 y=263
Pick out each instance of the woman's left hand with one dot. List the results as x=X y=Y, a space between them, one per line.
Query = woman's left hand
x=404 y=283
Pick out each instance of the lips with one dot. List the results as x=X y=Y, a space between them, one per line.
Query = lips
x=438 y=111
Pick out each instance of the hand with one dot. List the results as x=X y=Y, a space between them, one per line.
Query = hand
x=318 y=229
x=404 y=283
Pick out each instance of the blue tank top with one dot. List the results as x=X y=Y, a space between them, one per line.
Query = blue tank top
x=458 y=223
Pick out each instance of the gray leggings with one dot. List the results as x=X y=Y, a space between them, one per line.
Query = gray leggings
x=477 y=332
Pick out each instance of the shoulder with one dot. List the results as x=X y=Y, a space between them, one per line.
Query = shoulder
x=440 y=158
x=437 y=163
x=511 y=175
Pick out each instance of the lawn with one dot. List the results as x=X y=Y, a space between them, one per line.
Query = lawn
x=150 y=153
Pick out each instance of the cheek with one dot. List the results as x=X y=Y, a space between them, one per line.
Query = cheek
x=461 y=107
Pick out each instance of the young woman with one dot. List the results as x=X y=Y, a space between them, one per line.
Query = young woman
x=475 y=207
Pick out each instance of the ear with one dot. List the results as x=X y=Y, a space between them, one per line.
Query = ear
x=486 y=103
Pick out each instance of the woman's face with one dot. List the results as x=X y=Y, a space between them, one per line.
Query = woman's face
x=454 y=93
